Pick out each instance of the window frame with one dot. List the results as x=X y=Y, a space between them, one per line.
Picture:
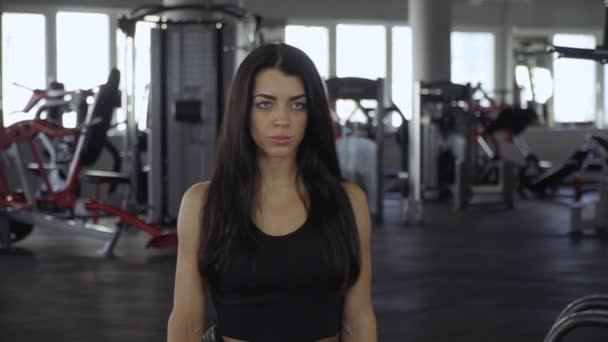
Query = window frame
x=502 y=58
x=50 y=13
x=601 y=113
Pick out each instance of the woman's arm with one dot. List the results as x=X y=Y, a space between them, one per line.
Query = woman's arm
x=187 y=319
x=359 y=320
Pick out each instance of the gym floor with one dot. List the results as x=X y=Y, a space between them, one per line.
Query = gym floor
x=482 y=275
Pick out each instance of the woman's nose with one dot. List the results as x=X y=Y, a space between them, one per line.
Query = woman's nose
x=281 y=117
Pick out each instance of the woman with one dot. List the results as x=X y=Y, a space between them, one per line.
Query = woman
x=276 y=239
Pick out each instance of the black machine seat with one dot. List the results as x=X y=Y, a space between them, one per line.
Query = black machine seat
x=105 y=177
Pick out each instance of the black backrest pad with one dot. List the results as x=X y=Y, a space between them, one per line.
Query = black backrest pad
x=107 y=99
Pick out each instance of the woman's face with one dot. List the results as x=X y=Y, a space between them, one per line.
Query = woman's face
x=278 y=113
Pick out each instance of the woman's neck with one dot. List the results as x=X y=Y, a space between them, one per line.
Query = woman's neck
x=277 y=172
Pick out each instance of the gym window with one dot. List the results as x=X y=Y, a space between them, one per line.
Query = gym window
x=142 y=72
x=314 y=41
x=354 y=59
x=23 y=62
x=536 y=84
x=361 y=51
x=402 y=63
x=574 y=79
x=83 y=55
x=472 y=56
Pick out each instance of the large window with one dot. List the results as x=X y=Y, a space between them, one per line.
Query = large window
x=360 y=52
x=575 y=95
x=473 y=59
x=536 y=84
x=23 y=62
x=402 y=69
x=142 y=71
x=314 y=41
x=83 y=55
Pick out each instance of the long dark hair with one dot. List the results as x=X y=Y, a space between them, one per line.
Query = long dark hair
x=230 y=199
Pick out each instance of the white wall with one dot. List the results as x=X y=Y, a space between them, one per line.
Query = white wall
x=535 y=14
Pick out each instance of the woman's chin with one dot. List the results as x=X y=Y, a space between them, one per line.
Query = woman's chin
x=278 y=153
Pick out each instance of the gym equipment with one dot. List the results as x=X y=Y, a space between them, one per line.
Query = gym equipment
x=587 y=163
x=542 y=178
x=357 y=152
x=599 y=54
x=62 y=208
x=449 y=150
x=57 y=102
x=194 y=56
x=587 y=311
x=599 y=221
x=512 y=122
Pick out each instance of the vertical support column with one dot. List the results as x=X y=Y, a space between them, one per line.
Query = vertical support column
x=380 y=150
x=388 y=81
x=431 y=28
x=414 y=206
x=600 y=116
x=51 y=46
x=332 y=51
x=503 y=50
x=113 y=27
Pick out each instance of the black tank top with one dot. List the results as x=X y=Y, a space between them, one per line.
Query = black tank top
x=284 y=291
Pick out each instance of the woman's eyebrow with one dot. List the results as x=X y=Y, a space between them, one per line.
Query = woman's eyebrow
x=270 y=97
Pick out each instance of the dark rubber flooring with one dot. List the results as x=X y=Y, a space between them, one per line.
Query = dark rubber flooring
x=481 y=275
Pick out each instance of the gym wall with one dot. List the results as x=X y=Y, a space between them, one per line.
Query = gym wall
x=534 y=14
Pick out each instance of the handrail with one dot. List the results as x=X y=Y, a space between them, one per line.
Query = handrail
x=577 y=320
x=596 y=301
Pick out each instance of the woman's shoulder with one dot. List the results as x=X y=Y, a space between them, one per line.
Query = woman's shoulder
x=355 y=194
x=190 y=209
x=354 y=191
x=197 y=191
x=358 y=201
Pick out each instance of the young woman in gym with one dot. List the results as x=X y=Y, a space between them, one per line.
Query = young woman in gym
x=277 y=239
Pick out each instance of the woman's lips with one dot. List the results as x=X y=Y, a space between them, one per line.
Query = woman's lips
x=280 y=139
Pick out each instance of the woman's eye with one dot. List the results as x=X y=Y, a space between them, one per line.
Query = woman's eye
x=299 y=106
x=263 y=105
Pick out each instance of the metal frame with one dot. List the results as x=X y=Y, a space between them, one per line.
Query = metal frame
x=362 y=92
x=577 y=320
x=380 y=98
x=26 y=208
x=167 y=179
x=464 y=174
x=415 y=206
x=596 y=302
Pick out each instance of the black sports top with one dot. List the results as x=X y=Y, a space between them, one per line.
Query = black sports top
x=282 y=292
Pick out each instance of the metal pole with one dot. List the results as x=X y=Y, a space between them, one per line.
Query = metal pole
x=15 y=150
x=414 y=209
x=380 y=150
x=605 y=41
x=132 y=160
x=577 y=320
